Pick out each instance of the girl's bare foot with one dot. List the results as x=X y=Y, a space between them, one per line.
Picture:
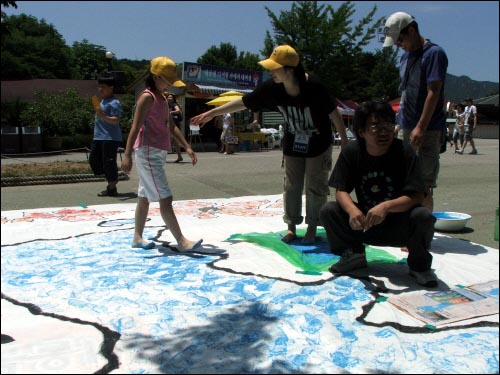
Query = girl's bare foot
x=187 y=245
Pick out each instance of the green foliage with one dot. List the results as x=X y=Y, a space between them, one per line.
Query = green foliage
x=11 y=112
x=248 y=61
x=226 y=55
x=132 y=69
x=127 y=101
x=268 y=45
x=60 y=114
x=332 y=47
x=33 y=49
x=384 y=76
x=76 y=141
x=4 y=28
x=88 y=60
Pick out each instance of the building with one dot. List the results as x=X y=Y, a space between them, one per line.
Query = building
x=488 y=117
x=25 y=90
x=204 y=83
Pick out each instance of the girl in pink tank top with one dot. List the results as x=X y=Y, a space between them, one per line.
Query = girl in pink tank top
x=149 y=137
x=154 y=132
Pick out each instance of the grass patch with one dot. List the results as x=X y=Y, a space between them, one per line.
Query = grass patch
x=46 y=169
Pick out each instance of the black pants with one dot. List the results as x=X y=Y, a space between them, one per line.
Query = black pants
x=102 y=159
x=413 y=229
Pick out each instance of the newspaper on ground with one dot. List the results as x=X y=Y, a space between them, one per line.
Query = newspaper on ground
x=448 y=306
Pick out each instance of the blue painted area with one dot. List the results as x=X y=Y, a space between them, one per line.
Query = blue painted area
x=187 y=315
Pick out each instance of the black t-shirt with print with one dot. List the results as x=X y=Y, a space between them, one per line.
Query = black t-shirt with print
x=308 y=131
x=377 y=179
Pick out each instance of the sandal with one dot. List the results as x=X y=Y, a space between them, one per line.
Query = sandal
x=108 y=193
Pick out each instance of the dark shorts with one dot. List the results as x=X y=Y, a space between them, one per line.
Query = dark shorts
x=468 y=132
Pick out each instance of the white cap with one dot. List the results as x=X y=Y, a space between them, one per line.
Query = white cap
x=393 y=26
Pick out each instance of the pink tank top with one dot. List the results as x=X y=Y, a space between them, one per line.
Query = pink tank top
x=155 y=131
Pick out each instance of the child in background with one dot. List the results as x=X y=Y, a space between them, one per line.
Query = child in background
x=107 y=135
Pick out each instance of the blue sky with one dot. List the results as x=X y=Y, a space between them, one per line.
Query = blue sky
x=184 y=30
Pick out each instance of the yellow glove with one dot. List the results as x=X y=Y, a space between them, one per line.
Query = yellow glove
x=95 y=103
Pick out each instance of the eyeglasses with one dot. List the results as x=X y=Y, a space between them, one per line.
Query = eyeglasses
x=375 y=129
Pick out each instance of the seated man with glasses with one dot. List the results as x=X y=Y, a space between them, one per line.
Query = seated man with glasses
x=386 y=176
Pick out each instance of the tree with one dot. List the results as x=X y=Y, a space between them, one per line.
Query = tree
x=331 y=46
x=5 y=30
x=131 y=68
x=11 y=112
x=33 y=49
x=384 y=75
x=89 y=60
x=226 y=56
x=248 y=61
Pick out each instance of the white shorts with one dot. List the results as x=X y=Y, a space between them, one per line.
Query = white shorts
x=150 y=163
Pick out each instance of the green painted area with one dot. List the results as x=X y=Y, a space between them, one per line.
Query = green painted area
x=311 y=259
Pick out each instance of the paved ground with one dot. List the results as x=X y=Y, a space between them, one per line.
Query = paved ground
x=467 y=183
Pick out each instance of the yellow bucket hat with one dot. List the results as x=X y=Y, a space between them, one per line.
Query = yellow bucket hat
x=166 y=68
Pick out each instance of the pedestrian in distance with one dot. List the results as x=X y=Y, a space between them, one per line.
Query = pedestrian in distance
x=218 y=127
x=470 y=126
x=107 y=135
x=423 y=67
x=228 y=134
x=385 y=174
x=308 y=110
x=149 y=140
x=176 y=112
x=458 y=130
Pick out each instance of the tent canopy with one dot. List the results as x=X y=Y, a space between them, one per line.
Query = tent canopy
x=346 y=107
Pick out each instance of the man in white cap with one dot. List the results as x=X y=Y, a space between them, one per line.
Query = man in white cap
x=423 y=68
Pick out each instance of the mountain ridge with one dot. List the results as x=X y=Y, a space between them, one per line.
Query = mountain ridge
x=457 y=88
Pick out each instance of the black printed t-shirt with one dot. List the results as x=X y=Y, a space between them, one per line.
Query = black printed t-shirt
x=377 y=179
x=307 y=114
